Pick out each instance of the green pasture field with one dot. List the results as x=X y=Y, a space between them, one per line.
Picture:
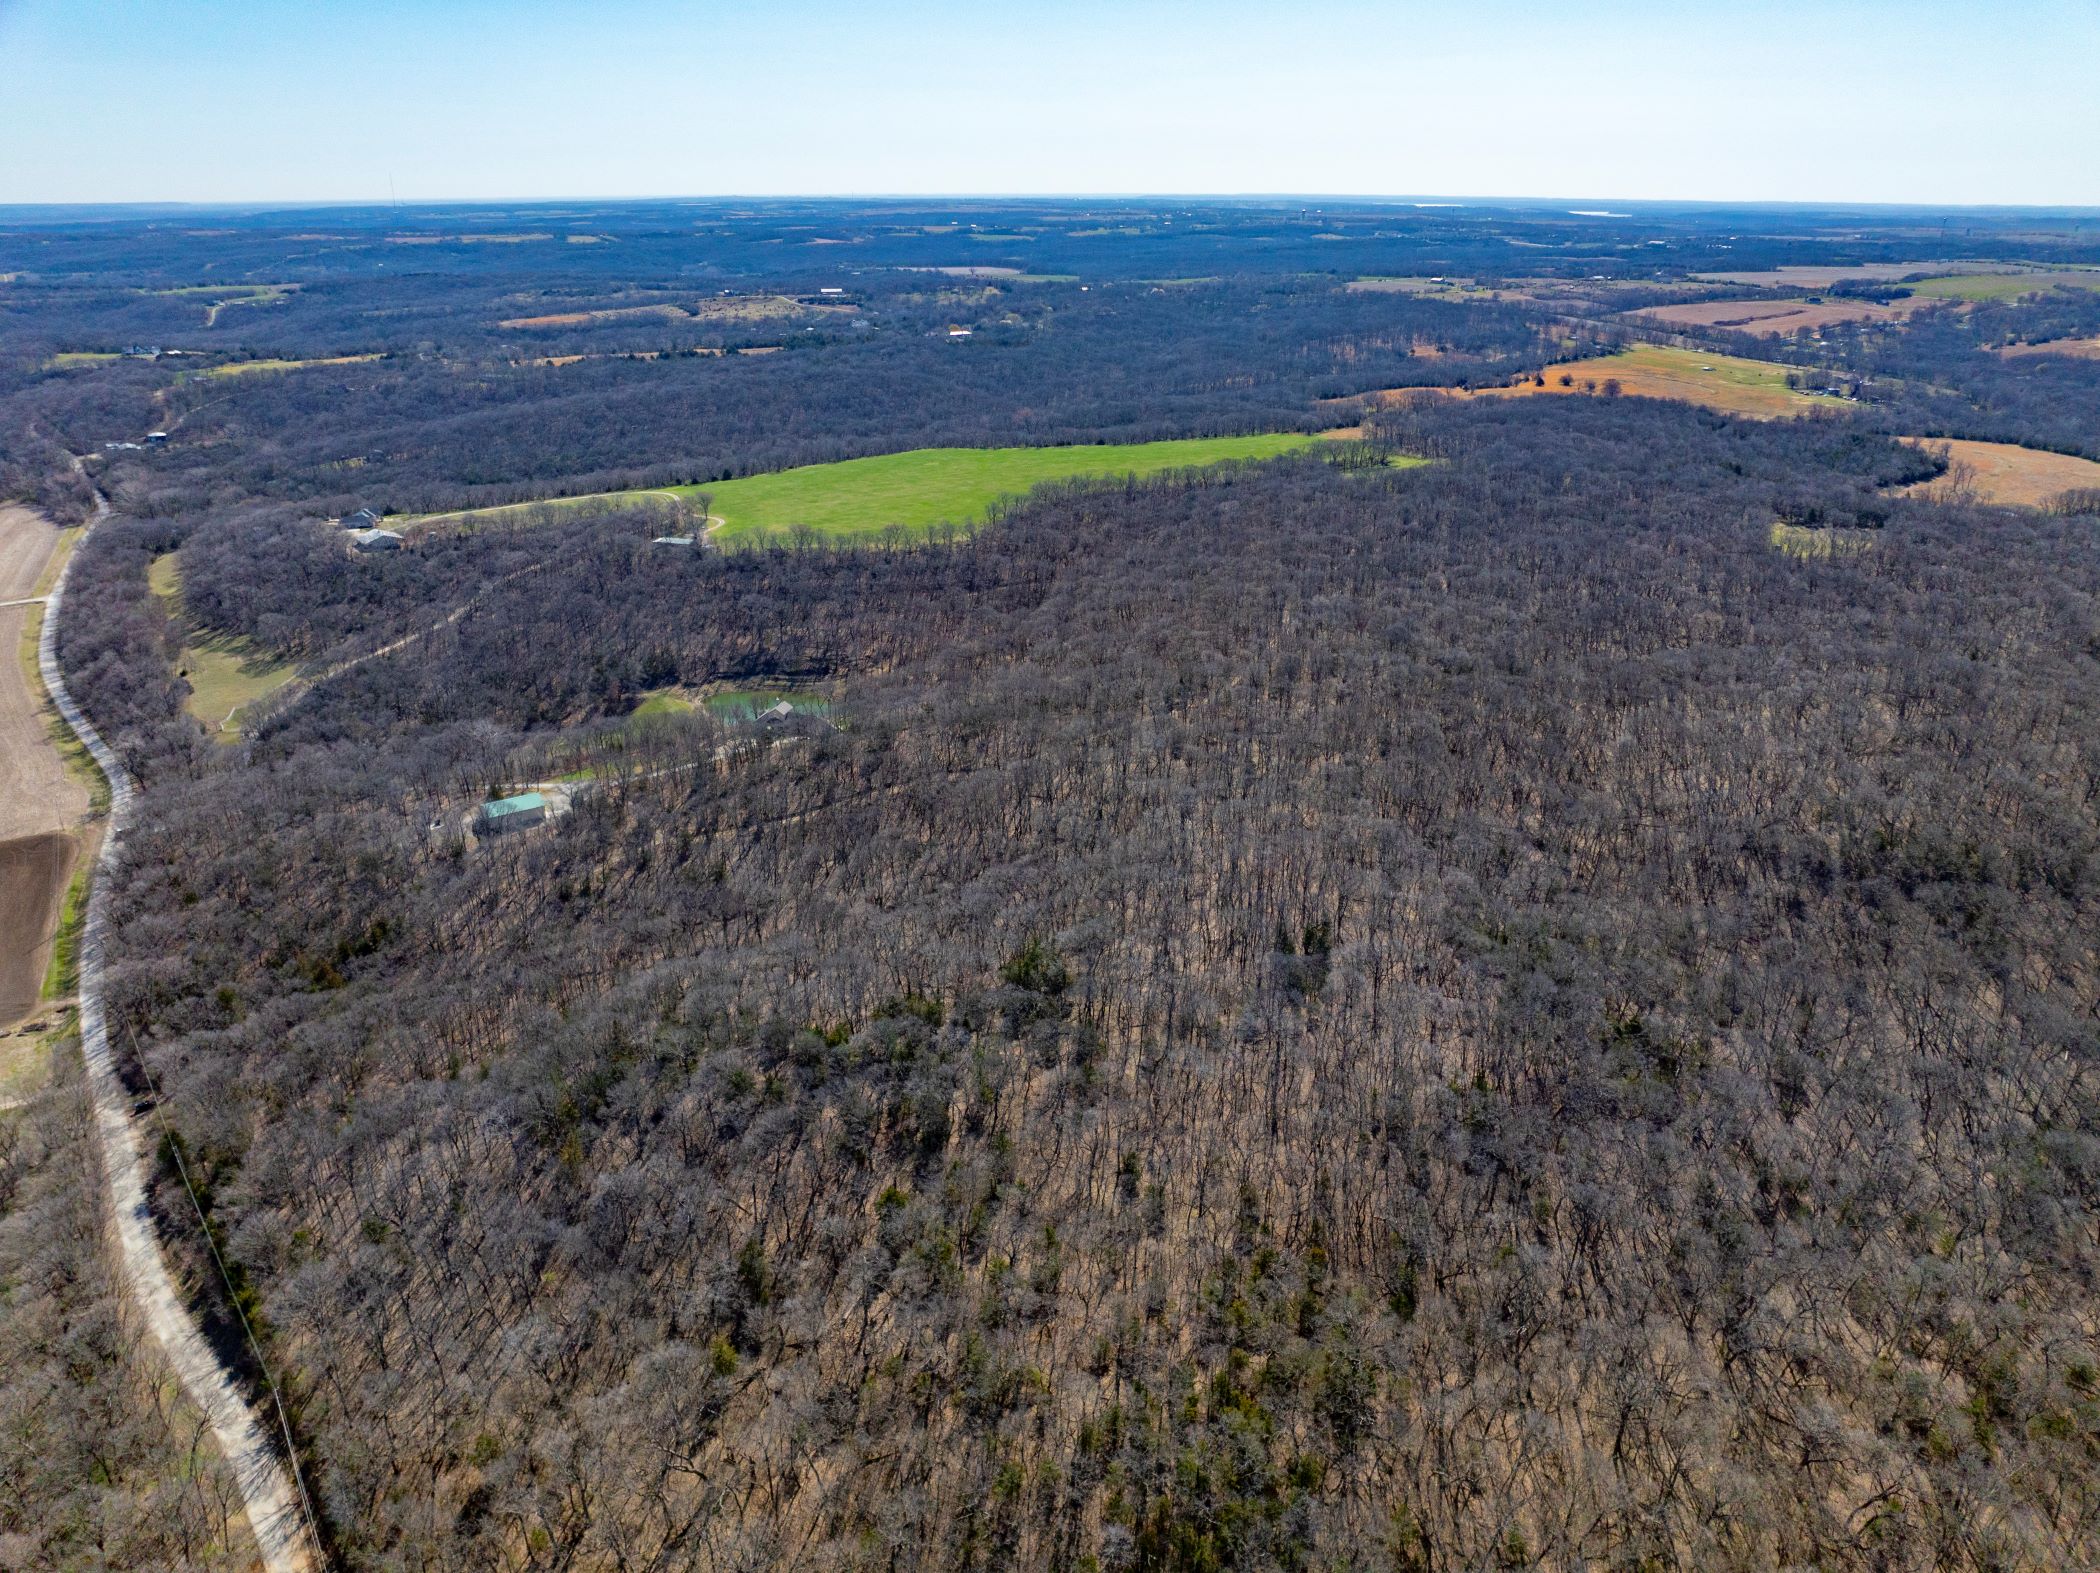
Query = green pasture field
x=859 y=499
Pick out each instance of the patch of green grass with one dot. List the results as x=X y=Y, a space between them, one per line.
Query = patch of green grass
x=858 y=499
x=663 y=701
x=226 y=675
x=1796 y=541
x=62 y=973
x=70 y=360
x=1999 y=286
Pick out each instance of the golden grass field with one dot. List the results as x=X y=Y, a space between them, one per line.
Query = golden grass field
x=1728 y=383
x=2003 y=473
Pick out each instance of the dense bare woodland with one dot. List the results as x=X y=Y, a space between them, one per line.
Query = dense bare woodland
x=104 y=1465
x=1311 y=1015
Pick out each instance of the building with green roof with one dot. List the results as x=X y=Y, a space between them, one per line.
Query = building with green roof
x=513 y=813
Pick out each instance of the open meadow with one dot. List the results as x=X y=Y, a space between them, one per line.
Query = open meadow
x=1729 y=383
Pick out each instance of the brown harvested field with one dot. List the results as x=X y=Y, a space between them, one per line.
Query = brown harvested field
x=1770 y=318
x=2003 y=473
x=40 y=801
x=2084 y=349
x=33 y=875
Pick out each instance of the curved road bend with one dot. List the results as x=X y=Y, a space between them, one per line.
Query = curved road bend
x=266 y=1488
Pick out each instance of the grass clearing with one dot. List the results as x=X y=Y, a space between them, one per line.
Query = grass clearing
x=226 y=675
x=858 y=499
x=1729 y=383
x=249 y=368
x=1657 y=371
x=75 y=360
x=663 y=701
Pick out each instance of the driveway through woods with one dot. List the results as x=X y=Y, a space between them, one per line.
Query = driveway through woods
x=267 y=1491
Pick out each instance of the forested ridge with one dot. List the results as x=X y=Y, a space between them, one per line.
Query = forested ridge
x=1531 y=1010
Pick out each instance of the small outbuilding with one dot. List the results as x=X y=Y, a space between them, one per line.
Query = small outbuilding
x=375 y=541
x=519 y=812
x=363 y=519
x=156 y=438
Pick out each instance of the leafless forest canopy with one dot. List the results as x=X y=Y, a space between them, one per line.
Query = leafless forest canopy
x=1315 y=1015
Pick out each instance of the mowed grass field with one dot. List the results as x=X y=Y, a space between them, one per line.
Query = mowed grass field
x=859 y=499
x=225 y=675
x=2005 y=474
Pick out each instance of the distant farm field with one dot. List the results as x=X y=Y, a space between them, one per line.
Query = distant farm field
x=1770 y=318
x=225 y=675
x=859 y=499
x=1822 y=277
x=250 y=368
x=2001 y=286
x=2004 y=473
x=2083 y=349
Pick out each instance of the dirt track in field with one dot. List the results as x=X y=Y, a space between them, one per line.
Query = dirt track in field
x=41 y=805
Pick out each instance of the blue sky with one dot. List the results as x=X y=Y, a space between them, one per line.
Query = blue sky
x=291 y=100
